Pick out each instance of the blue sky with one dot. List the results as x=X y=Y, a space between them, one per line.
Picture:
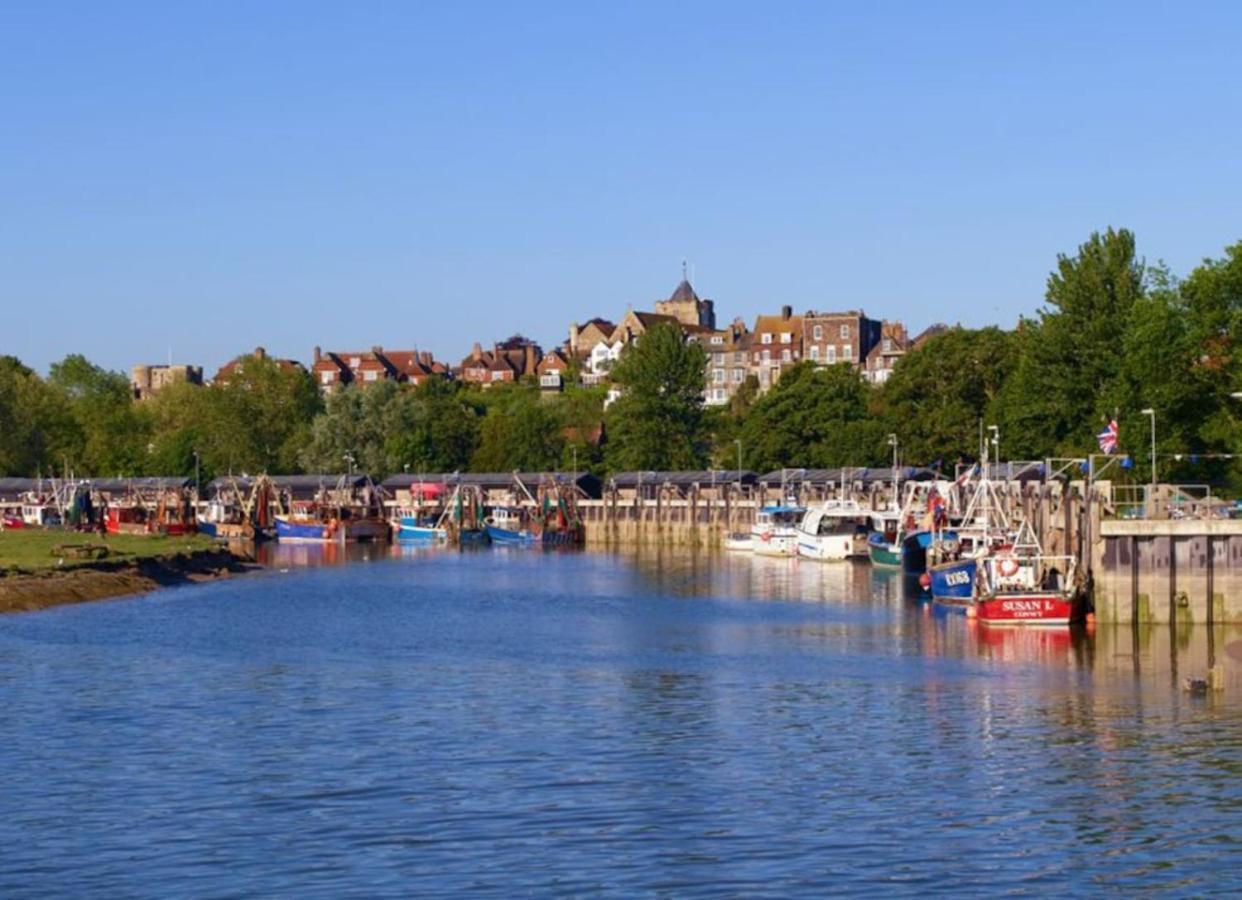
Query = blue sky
x=207 y=177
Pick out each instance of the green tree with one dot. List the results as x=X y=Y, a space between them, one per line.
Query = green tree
x=813 y=418
x=522 y=434
x=659 y=421
x=112 y=434
x=434 y=428
x=937 y=393
x=35 y=422
x=1067 y=378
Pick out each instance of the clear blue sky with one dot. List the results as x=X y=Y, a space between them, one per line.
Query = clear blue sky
x=212 y=176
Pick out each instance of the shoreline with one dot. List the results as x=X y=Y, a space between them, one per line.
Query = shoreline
x=107 y=580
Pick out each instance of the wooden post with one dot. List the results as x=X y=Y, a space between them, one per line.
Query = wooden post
x=1211 y=582
x=1172 y=582
x=1134 y=580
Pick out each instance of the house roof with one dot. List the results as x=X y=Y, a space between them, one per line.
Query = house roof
x=682 y=479
x=778 y=324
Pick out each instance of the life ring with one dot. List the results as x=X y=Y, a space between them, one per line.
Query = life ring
x=1007 y=566
x=765 y=536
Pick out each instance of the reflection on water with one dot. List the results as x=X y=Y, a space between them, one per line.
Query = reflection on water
x=517 y=721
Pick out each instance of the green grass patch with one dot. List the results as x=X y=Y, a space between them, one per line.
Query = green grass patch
x=33 y=550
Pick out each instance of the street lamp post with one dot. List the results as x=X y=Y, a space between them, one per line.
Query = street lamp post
x=995 y=429
x=1152 y=414
x=738 y=441
x=892 y=442
x=198 y=490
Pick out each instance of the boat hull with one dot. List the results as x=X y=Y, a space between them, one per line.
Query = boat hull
x=954 y=582
x=411 y=532
x=498 y=535
x=826 y=548
x=1026 y=608
x=323 y=532
x=775 y=545
x=884 y=555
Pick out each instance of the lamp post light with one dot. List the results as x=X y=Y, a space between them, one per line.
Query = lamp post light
x=1152 y=414
x=995 y=429
x=892 y=442
x=349 y=461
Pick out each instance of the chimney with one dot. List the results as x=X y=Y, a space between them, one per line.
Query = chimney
x=317 y=354
x=786 y=312
x=260 y=353
x=426 y=358
x=377 y=349
x=477 y=351
x=573 y=337
x=531 y=362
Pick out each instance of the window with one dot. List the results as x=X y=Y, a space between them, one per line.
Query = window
x=326 y=377
x=786 y=356
x=815 y=352
x=717 y=339
x=719 y=394
x=498 y=376
x=847 y=351
x=370 y=375
x=739 y=357
x=786 y=337
x=766 y=337
x=888 y=345
x=832 y=353
x=818 y=332
x=354 y=362
x=756 y=356
x=845 y=331
x=739 y=375
x=718 y=359
x=718 y=376
x=767 y=355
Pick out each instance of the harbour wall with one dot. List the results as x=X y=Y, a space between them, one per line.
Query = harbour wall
x=1144 y=571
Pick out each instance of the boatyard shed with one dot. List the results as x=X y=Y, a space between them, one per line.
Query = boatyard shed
x=710 y=483
x=497 y=488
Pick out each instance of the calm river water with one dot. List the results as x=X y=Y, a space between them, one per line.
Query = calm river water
x=529 y=723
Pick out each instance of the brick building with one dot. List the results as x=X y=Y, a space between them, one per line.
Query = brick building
x=775 y=345
x=335 y=369
x=836 y=337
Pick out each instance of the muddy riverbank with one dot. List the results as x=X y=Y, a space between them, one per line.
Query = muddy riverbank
x=118 y=578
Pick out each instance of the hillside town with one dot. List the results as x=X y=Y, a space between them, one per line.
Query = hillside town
x=735 y=352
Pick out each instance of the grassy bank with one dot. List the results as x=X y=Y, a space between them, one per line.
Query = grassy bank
x=31 y=550
x=48 y=568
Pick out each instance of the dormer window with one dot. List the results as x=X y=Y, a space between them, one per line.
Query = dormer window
x=766 y=337
x=786 y=337
x=888 y=345
x=717 y=339
x=355 y=362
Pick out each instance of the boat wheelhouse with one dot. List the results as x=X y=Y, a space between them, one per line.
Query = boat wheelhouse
x=775 y=532
x=837 y=530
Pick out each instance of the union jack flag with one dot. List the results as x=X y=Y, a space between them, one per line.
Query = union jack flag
x=1108 y=438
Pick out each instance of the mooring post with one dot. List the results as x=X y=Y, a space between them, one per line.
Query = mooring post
x=1211 y=582
x=1134 y=580
x=1173 y=582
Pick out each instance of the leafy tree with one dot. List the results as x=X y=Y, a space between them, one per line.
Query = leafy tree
x=1070 y=357
x=112 y=435
x=523 y=434
x=937 y=394
x=659 y=421
x=813 y=418
x=35 y=422
x=434 y=428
